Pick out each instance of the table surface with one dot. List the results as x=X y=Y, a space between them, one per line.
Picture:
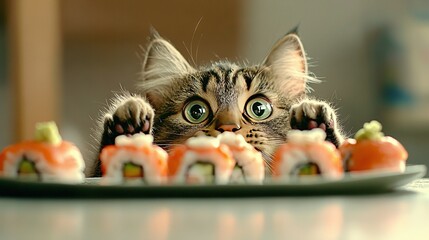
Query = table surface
x=402 y=214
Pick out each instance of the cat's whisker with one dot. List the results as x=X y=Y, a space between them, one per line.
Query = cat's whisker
x=198 y=47
x=267 y=157
x=269 y=167
x=189 y=53
x=192 y=40
x=275 y=138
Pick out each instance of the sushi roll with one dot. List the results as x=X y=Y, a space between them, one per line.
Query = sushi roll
x=133 y=159
x=306 y=153
x=371 y=150
x=47 y=158
x=201 y=160
x=249 y=167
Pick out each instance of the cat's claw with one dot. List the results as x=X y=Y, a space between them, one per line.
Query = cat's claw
x=134 y=115
x=309 y=114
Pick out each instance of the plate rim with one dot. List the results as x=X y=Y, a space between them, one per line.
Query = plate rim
x=350 y=184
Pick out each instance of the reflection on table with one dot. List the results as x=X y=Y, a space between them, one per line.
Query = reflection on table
x=397 y=215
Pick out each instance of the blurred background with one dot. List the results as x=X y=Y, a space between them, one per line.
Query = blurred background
x=62 y=60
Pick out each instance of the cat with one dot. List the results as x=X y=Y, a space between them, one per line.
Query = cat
x=261 y=102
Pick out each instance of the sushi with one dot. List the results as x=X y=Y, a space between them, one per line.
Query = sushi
x=47 y=158
x=306 y=153
x=133 y=159
x=371 y=150
x=250 y=166
x=201 y=160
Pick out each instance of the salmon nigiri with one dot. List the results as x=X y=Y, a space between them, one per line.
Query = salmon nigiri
x=372 y=150
x=47 y=158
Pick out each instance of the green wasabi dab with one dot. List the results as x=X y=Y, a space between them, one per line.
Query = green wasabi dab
x=48 y=132
x=370 y=131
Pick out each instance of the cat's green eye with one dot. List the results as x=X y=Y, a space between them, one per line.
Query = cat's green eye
x=196 y=111
x=259 y=108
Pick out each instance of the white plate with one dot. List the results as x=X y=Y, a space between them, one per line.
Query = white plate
x=352 y=183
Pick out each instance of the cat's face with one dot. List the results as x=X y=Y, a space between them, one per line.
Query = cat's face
x=251 y=101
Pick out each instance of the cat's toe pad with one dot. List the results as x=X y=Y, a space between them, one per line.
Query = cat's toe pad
x=132 y=116
x=311 y=114
x=130 y=129
x=314 y=124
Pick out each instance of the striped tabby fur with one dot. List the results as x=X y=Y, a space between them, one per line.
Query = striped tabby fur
x=169 y=84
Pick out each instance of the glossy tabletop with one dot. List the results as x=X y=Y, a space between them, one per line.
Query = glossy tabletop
x=402 y=214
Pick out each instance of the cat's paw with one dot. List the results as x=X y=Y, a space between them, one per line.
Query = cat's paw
x=129 y=115
x=133 y=115
x=309 y=114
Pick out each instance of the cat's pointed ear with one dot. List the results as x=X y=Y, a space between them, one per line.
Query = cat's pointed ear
x=162 y=64
x=287 y=63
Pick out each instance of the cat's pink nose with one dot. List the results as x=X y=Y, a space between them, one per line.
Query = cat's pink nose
x=229 y=128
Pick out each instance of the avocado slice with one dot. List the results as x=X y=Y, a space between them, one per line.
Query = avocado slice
x=27 y=170
x=308 y=169
x=201 y=173
x=132 y=171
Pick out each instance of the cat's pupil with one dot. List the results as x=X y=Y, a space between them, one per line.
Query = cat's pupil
x=197 y=111
x=258 y=108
